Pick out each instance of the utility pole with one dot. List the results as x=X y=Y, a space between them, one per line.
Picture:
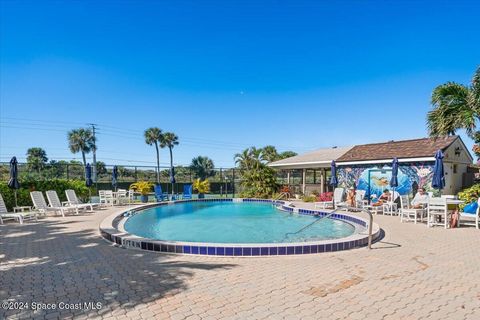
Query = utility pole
x=94 y=173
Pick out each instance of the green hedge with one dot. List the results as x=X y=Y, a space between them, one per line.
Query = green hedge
x=59 y=185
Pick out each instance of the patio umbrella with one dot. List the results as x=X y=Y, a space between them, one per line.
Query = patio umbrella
x=88 y=178
x=333 y=178
x=13 y=182
x=438 y=180
x=115 y=177
x=88 y=175
x=394 y=179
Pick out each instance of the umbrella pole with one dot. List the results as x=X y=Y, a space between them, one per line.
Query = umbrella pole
x=15 y=195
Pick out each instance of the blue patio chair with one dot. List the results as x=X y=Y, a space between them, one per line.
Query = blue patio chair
x=159 y=195
x=187 y=191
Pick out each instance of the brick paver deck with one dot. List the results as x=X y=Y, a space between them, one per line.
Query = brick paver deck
x=413 y=273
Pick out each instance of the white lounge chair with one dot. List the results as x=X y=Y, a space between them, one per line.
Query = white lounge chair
x=18 y=216
x=40 y=204
x=337 y=200
x=407 y=213
x=437 y=209
x=54 y=201
x=74 y=201
x=470 y=219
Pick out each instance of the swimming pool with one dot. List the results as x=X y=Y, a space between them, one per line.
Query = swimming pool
x=235 y=227
x=232 y=222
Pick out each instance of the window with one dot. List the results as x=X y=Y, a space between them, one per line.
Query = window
x=454 y=168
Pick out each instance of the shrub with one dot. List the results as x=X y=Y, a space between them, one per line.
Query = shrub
x=144 y=187
x=311 y=198
x=469 y=195
x=59 y=185
x=326 y=196
x=201 y=186
x=315 y=193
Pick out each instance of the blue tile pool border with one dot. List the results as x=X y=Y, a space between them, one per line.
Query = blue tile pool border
x=126 y=240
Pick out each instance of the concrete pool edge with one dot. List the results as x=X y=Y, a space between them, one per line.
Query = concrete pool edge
x=111 y=229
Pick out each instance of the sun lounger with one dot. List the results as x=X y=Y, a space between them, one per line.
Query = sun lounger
x=74 y=201
x=18 y=216
x=40 y=204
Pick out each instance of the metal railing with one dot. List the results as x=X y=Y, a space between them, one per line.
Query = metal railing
x=370 y=223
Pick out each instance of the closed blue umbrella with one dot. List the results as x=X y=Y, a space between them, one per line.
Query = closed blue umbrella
x=13 y=181
x=394 y=179
x=88 y=175
x=333 y=178
x=438 y=180
x=115 y=177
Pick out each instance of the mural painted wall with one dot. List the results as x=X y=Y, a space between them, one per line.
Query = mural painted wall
x=376 y=177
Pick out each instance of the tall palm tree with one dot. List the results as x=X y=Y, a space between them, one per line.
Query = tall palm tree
x=81 y=140
x=202 y=167
x=154 y=136
x=36 y=159
x=455 y=106
x=270 y=153
x=169 y=140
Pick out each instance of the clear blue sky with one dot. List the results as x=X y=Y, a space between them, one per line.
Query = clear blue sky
x=225 y=75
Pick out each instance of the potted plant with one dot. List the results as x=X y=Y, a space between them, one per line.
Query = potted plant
x=201 y=187
x=142 y=187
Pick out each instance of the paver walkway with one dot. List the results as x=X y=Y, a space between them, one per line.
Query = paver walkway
x=413 y=273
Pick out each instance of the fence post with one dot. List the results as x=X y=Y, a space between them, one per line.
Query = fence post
x=221 y=181
x=233 y=182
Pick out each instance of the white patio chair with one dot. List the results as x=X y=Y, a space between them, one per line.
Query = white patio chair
x=106 y=197
x=437 y=211
x=74 y=201
x=390 y=207
x=337 y=199
x=121 y=196
x=55 y=202
x=130 y=196
x=447 y=196
x=360 y=198
x=407 y=213
x=40 y=204
x=470 y=219
x=18 y=216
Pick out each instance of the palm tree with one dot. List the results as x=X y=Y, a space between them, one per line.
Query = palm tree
x=202 y=167
x=455 y=106
x=169 y=140
x=81 y=140
x=270 y=153
x=154 y=136
x=36 y=159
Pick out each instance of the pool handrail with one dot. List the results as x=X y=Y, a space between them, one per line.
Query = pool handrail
x=370 y=223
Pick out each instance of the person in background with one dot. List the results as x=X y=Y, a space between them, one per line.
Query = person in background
x=384 y=197
x=420 y=199
x=351 y=197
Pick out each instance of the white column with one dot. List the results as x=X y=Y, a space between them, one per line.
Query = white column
x=304 y=175
x=322 y=181
x=288 y=177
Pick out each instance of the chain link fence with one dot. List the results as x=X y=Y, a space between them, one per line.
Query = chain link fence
x=223 y=181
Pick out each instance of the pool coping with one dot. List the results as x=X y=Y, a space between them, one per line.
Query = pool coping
x=111 y=229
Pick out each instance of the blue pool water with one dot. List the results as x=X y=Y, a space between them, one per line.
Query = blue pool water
x=228 y=222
